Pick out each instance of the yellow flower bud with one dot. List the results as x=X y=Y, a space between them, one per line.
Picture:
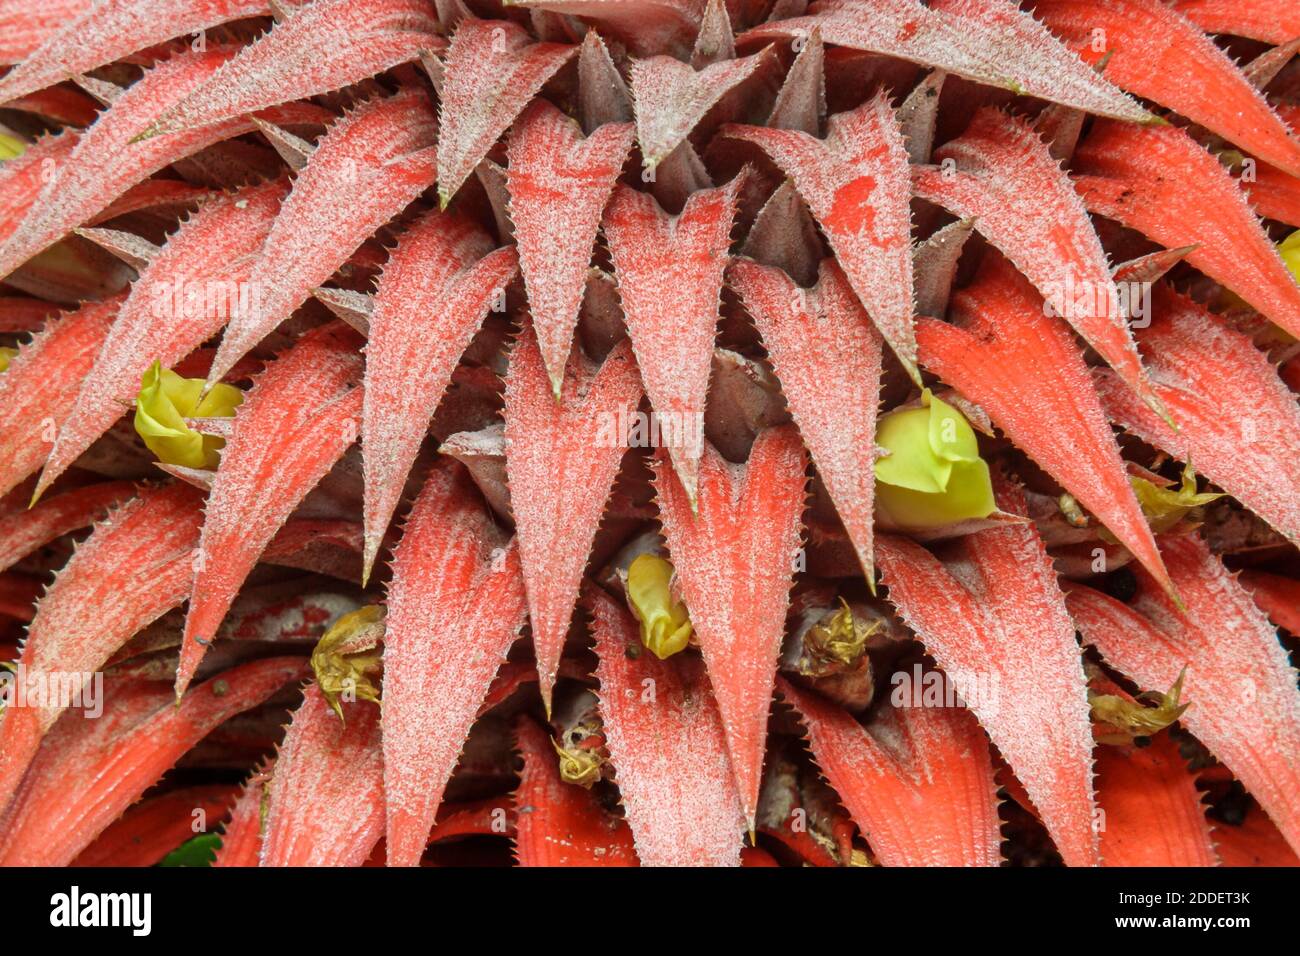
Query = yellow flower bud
x=165 y=401
x=6 y=354
x=1289 y=249
x=348 y=655
x=665 y=624
x=11 y=147
x=933 y=474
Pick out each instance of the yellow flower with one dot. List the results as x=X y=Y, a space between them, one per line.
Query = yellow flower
x=165 y=401
x=348 y=655
x=6 y=354
x=665 y=624
x=1289 y=249
x=933 y=474
x=1165 y=507
x=11 y=147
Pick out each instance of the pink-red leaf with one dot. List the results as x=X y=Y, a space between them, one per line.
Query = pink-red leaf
x=856 y=183
x=668 y=747
x=321 y=46
x=827 y=355
x=1161 y=182
x=297 y=421
x=104 y=163
x=134 y=568
x=1153 y=52
x=995 y=621
x=182 y=298
x=24 y=25
x=1245 y=705
x=1004 y=178
x=112 y=29
x=436 y=289
x=363 y=172
x=558 y=823
x=115 y=757
x=1024 y=368
x=559 y=184
x=455 y=606
x=918 y=781
x=326 y=795
x=1151 y=813
x=40 y=386
x=734 y=561
x=155 y=826
x=669 y=271
x=1272 y=21
x=493 y=69
x=561 y=460
x=1248 y=446
x=23 y=533
x=989 y=41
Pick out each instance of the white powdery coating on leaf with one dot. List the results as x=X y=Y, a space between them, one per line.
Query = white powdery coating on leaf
x=111 y=30
x=995 y=621
x=669 y=271
x=322 y=46
x=326 y=797
x=364 y=171
x=857 y=184
x=1020 y=199
x=1248 y=447
x=23 y=177
x=561 y=461
x=297 y=421
x=734 y=563
x=493 y=69
x=827 y=355
x=455 y=606
x=24 y=25
x=435 y=290
x=105 y=163
x=217 y=246
x=40 y=386
x=1244 y=703
x=918 y=781
x=671 y=97
x=118 y=755
x=559 y=184
x=992 y=42
x=668 y=747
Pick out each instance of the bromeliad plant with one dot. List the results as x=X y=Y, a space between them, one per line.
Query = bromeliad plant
x=477 y=406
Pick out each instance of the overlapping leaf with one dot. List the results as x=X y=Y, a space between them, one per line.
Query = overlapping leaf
x=1161 y=182
x=436 y=289
x=857 y=185
x=1006 y=351
x=561 y=460
x=315 y=815
x=297 y=421
x=493 y=69
x=183 y=296
x=23 y=533
x=1272 y=21
x=559 y=184
x=455 y=606
x=918 y=781
x=118 y=755
x=669 y=271
x=827 y=354
x=320 y=46
x=362 y=173
x=1004 y=178
x=1246 y=706
x=734 y=559
x=988 y=41
x=994 y=619
x=668 y=746
x=1247 y=446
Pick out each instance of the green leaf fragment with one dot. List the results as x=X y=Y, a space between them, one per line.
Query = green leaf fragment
x=165 y=401
x=199 y=851
x=665 y=624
